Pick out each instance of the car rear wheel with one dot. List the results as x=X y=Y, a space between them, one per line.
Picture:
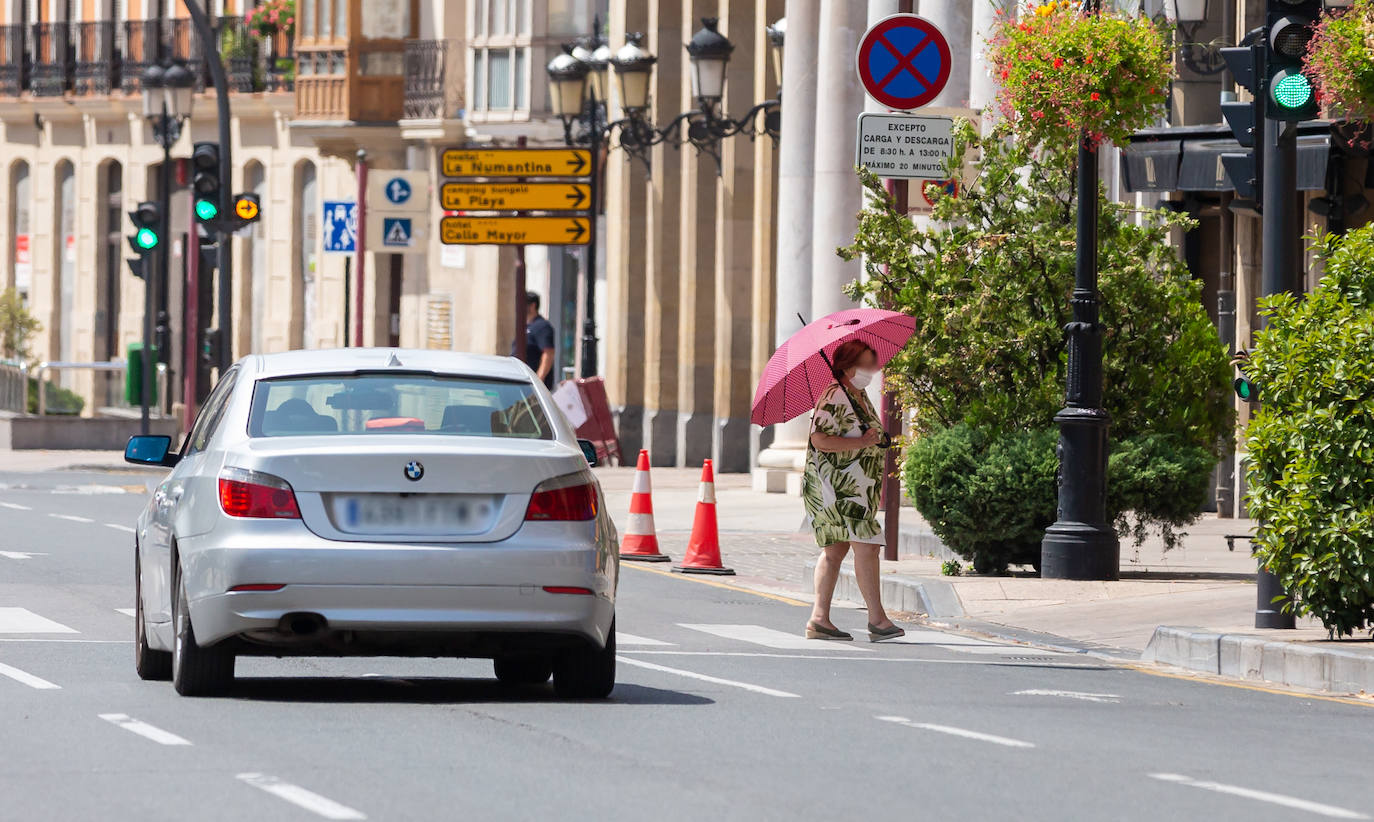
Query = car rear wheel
x=196 y=671
x=150 y=664
x=587 y=673
x=523 y=670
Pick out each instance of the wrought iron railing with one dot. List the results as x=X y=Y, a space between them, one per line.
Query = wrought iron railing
x=54 y=60
x=425 y=64
x=97 y=60
x=14 y=61
x=138 y=44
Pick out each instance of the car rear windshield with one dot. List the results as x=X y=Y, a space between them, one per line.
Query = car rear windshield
x=396 y=404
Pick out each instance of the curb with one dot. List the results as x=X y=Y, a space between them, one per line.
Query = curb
x=1254 y=658
x=932 y=597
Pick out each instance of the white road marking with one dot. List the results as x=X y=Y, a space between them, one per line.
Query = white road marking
x=769 y=638
x=919 y=636
x=71 y=517
x=758 y=689
x=906 y=659
x=300 y=797
x=144 y=730
x=77 y=641
x=1262 y=796
x=1018 y=650
x=126 y=529
x=127 y=611
x=19 y=555
x=1086 y=697
x=13 y=506
x=94 y=490
x=963 y=732
x=622 y=638
x=28 y=679
x=24 y=621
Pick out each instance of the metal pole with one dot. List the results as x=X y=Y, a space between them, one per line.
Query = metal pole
x=145 y=356
x=361 y=245
x=348 y=288
x=1082 y=544
x=225 y=294
x=1226 y=332
x=190 y=349
x=1279 y=272
x=518 y=298
x=892 y=422
x=161 y=333
x=589 y=323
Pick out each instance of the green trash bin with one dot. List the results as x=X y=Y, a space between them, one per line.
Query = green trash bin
x=133 y=375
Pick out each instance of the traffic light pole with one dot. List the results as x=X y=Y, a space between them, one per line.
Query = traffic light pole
x=210 y=50
x=149 y=303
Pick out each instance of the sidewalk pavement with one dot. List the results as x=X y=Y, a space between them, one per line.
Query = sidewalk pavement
x=1201 y=583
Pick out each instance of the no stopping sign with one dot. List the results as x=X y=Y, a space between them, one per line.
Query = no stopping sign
x=904 y=61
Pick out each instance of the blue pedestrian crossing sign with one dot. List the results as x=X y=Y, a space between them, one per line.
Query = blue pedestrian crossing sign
x=340 y=226
x=397 y=232
x=397 y=191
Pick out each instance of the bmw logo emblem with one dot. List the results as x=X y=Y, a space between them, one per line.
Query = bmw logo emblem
x=415 y=471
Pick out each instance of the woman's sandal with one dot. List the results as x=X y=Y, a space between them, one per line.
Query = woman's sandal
x=876 y=634
x=814 y=631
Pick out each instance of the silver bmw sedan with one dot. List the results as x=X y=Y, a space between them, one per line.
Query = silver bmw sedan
x=376 y=502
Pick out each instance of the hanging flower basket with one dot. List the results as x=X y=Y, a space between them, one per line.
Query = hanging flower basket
x=1340 y=59
x=270 y=18
x=1063 y=72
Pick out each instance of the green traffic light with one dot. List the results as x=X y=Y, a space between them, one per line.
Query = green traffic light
x=1293 y=91
x=1245 y=389
x=206 y=209
x=146 y=238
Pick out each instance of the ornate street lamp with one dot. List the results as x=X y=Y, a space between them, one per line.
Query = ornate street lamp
x=633 y=65
x=776 y=34
x=707 y=53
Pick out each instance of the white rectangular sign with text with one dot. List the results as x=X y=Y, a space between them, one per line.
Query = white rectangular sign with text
x=905 y=146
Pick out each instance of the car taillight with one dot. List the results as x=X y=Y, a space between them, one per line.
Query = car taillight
x=254 y=495
x=571 y=498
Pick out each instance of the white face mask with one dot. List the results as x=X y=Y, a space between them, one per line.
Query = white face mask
x=862 y=378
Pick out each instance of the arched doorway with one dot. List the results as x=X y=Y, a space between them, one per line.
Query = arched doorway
x=307 y=235
x=64 y=255
x=21 y=232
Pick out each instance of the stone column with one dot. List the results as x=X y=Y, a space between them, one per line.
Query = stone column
x=625 y=262
x=838 y=197
x=780 y=464
x=982 y=87
x=696 y=286
x=662 y=232
x=766 y=83
x=954 y=17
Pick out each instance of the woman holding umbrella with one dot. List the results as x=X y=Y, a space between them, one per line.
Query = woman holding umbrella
x=827 y=365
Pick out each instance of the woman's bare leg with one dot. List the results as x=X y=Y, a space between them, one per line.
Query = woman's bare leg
x=827 y=574
x=866 y=573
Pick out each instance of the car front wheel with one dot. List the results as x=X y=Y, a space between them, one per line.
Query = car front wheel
x=587 y=673
x=196 y=671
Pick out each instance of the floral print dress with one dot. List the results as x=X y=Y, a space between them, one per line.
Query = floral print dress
x=840 y=490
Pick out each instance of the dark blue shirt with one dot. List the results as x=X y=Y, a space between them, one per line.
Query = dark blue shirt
x=539 y=337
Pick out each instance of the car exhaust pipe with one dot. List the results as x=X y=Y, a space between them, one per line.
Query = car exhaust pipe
x=301 y=624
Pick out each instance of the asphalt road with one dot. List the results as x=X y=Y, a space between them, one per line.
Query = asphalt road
x=722 y=712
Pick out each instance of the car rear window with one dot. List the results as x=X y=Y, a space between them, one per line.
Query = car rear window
x=396 y=404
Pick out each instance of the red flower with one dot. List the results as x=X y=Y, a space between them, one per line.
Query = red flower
x=1005 y=74
x=1039 y=115
x=1088 y=60
x=1095 y=96
x=1058 y=62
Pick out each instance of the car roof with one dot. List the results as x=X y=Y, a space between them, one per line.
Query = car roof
x=345 y=360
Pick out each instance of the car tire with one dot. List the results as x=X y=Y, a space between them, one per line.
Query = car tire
x=587 y=673
x=523 y=670
x=196 y=670
x=152 y=665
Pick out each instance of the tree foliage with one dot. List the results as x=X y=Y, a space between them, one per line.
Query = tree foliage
x=1311 y=480
x=17 y=326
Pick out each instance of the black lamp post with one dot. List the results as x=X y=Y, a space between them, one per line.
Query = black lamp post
x=167 y=96
x=1082 y=544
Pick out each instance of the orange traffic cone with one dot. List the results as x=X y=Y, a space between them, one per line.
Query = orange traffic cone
x=641 y=542
x=703 y=551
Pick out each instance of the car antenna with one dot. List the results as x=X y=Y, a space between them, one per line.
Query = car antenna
x=394 y=362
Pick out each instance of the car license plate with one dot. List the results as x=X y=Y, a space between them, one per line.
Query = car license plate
x=415 y=514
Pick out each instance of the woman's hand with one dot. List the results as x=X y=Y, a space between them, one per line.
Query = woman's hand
x=871 y=437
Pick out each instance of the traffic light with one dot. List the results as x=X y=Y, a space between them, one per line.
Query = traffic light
x=147 y=219
x=209 y=347
x=247 y=209
x=205 y=181
x=1246 y=63
x=1289 y=92
x=1246 y=389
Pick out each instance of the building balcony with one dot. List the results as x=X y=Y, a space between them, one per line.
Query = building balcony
x=432 y=91
x=45 y=60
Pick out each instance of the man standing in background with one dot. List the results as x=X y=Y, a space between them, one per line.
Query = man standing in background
x=539 y=340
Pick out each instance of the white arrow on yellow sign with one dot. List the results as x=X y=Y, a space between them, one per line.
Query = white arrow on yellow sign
x=517 y=162
x=515 y=196
x=514 y=231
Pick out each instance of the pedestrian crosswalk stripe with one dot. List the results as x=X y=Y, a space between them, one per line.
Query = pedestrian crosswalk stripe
x=26 y=678
x=917 y=636
x=126 y=611
x=1019 y=650
x=622 y=638
x=24 y=621
x=769 y=638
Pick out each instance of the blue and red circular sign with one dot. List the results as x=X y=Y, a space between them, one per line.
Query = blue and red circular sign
x=904 y=61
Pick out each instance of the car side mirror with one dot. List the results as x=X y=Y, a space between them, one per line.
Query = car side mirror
x=588 y=451
x=151 y=450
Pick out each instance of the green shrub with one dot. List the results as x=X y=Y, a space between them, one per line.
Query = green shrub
x=58 y=399
x=1311 y=478
x=17 y=326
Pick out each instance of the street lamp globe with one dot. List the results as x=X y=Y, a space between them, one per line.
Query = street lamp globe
x=151 y=84
x=1186 y=11
x=709 y=51
x=567 y=84
x=179 y=85
x=776 y=34
x=633 y=65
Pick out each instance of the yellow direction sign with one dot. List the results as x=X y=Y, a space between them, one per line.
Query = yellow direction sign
x=517 y=162
x=514 y=230
x=515 y=196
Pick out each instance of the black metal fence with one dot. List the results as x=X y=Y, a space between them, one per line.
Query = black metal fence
x=425 y=65
x=84 y=58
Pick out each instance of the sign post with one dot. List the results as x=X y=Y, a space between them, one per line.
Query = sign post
x=904 y=63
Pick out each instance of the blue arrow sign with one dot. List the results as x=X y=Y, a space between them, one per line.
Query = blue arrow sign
x=397 y=190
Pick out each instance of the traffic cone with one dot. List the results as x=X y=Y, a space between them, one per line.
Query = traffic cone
x=641 y=542
x=703 y=551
